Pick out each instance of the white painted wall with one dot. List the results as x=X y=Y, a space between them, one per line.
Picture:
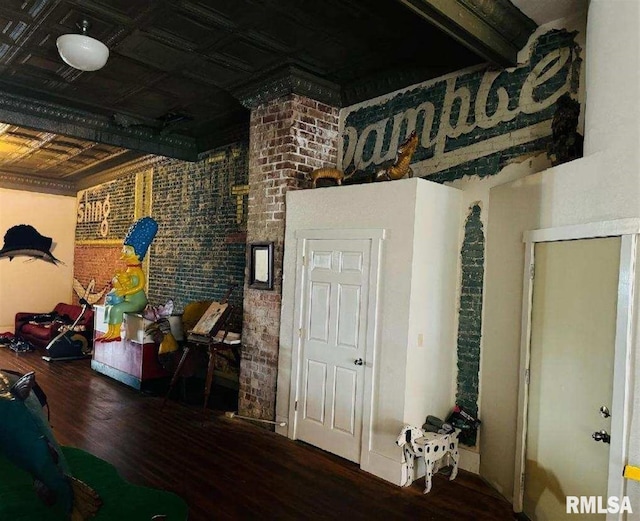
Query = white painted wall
x=604 y=185
x=356 y=207
x=36 y=285
x=417 y=296
x=431 y=367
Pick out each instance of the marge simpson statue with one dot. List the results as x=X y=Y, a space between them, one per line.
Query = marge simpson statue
x=127 y=295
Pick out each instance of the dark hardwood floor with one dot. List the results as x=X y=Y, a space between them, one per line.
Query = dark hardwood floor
x=229 y=468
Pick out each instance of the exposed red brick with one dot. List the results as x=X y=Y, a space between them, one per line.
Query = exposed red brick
x=98 y=263
x=287 y=135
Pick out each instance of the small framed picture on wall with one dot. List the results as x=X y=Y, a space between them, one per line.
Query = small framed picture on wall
x=260 y=265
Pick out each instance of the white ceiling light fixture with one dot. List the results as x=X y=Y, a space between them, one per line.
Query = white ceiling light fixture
x=81 y=51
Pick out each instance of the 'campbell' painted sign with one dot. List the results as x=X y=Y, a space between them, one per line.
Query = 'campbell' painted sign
x=467 y=116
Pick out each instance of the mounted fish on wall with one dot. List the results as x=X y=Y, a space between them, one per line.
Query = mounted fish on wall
x=23 y=240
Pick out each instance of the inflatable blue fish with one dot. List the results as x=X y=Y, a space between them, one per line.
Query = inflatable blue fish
x=27 y=441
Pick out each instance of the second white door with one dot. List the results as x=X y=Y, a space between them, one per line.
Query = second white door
x=571 y=374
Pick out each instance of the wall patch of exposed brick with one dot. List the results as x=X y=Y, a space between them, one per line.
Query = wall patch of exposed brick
x=470 y=317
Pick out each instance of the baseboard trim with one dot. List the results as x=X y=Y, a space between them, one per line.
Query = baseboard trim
x=469 y=460
x=385 y=468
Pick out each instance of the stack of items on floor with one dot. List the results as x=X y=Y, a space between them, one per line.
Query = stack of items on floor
x=435 y=424
x=14 y=343
x=466 y=423
x=458 y=419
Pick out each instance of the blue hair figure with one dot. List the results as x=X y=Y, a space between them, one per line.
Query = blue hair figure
x=127 y=294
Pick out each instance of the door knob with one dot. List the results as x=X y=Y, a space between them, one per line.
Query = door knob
x=358 y=361
x=604 y=411
x=602 y=436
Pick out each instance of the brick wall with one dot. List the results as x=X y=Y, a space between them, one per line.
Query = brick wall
x=470 y=314
x=106 y=211
x=289 y=138
x=199 y=250
x=200 y=246
x=104 y=214
x=97 y=263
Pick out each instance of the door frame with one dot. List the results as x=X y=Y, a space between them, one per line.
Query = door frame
x=376 y=238
x=627 y=230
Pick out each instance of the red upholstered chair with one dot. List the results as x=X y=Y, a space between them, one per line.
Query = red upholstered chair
x=35 y=329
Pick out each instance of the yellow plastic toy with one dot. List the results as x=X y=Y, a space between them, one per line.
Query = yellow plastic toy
x=127 y=294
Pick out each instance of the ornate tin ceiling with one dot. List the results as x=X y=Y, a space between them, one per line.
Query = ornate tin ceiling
x=183 y=74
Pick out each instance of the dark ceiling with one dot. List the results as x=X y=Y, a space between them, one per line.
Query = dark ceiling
x=182 y=75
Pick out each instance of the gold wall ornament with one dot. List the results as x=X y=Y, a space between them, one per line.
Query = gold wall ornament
x=330 y=173
x=399 y=168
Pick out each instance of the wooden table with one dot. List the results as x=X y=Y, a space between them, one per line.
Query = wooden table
x=222 y=341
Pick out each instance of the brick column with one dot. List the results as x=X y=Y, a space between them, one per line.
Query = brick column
x=289 y=137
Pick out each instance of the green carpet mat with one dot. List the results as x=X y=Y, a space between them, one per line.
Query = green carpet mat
x=121 y=500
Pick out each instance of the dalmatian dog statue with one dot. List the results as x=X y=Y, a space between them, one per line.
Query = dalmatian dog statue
x=431 y=446
x=407 y=442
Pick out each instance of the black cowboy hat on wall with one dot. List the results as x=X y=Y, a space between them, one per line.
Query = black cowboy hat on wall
x=23 y=240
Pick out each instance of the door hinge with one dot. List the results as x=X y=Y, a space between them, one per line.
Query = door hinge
x=522 y=481
x=295 y=406
x=300 y=332
x=526 y=376
x=532 y=270
x=304 y=261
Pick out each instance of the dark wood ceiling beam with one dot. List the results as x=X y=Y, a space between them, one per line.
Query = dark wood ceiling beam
x=51 y=117
x=494 y=29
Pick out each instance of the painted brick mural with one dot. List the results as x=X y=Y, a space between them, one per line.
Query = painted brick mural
x=289 y=138
x=201 y=210
x=93 y=268
x=470 y=314
x=199 y=250
x=105 y=212
x=469 y=123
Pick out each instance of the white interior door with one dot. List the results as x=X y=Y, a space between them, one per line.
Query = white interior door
x=573 y=330
x=333 y=337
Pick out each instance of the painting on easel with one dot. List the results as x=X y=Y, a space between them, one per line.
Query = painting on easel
x=211 y=320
